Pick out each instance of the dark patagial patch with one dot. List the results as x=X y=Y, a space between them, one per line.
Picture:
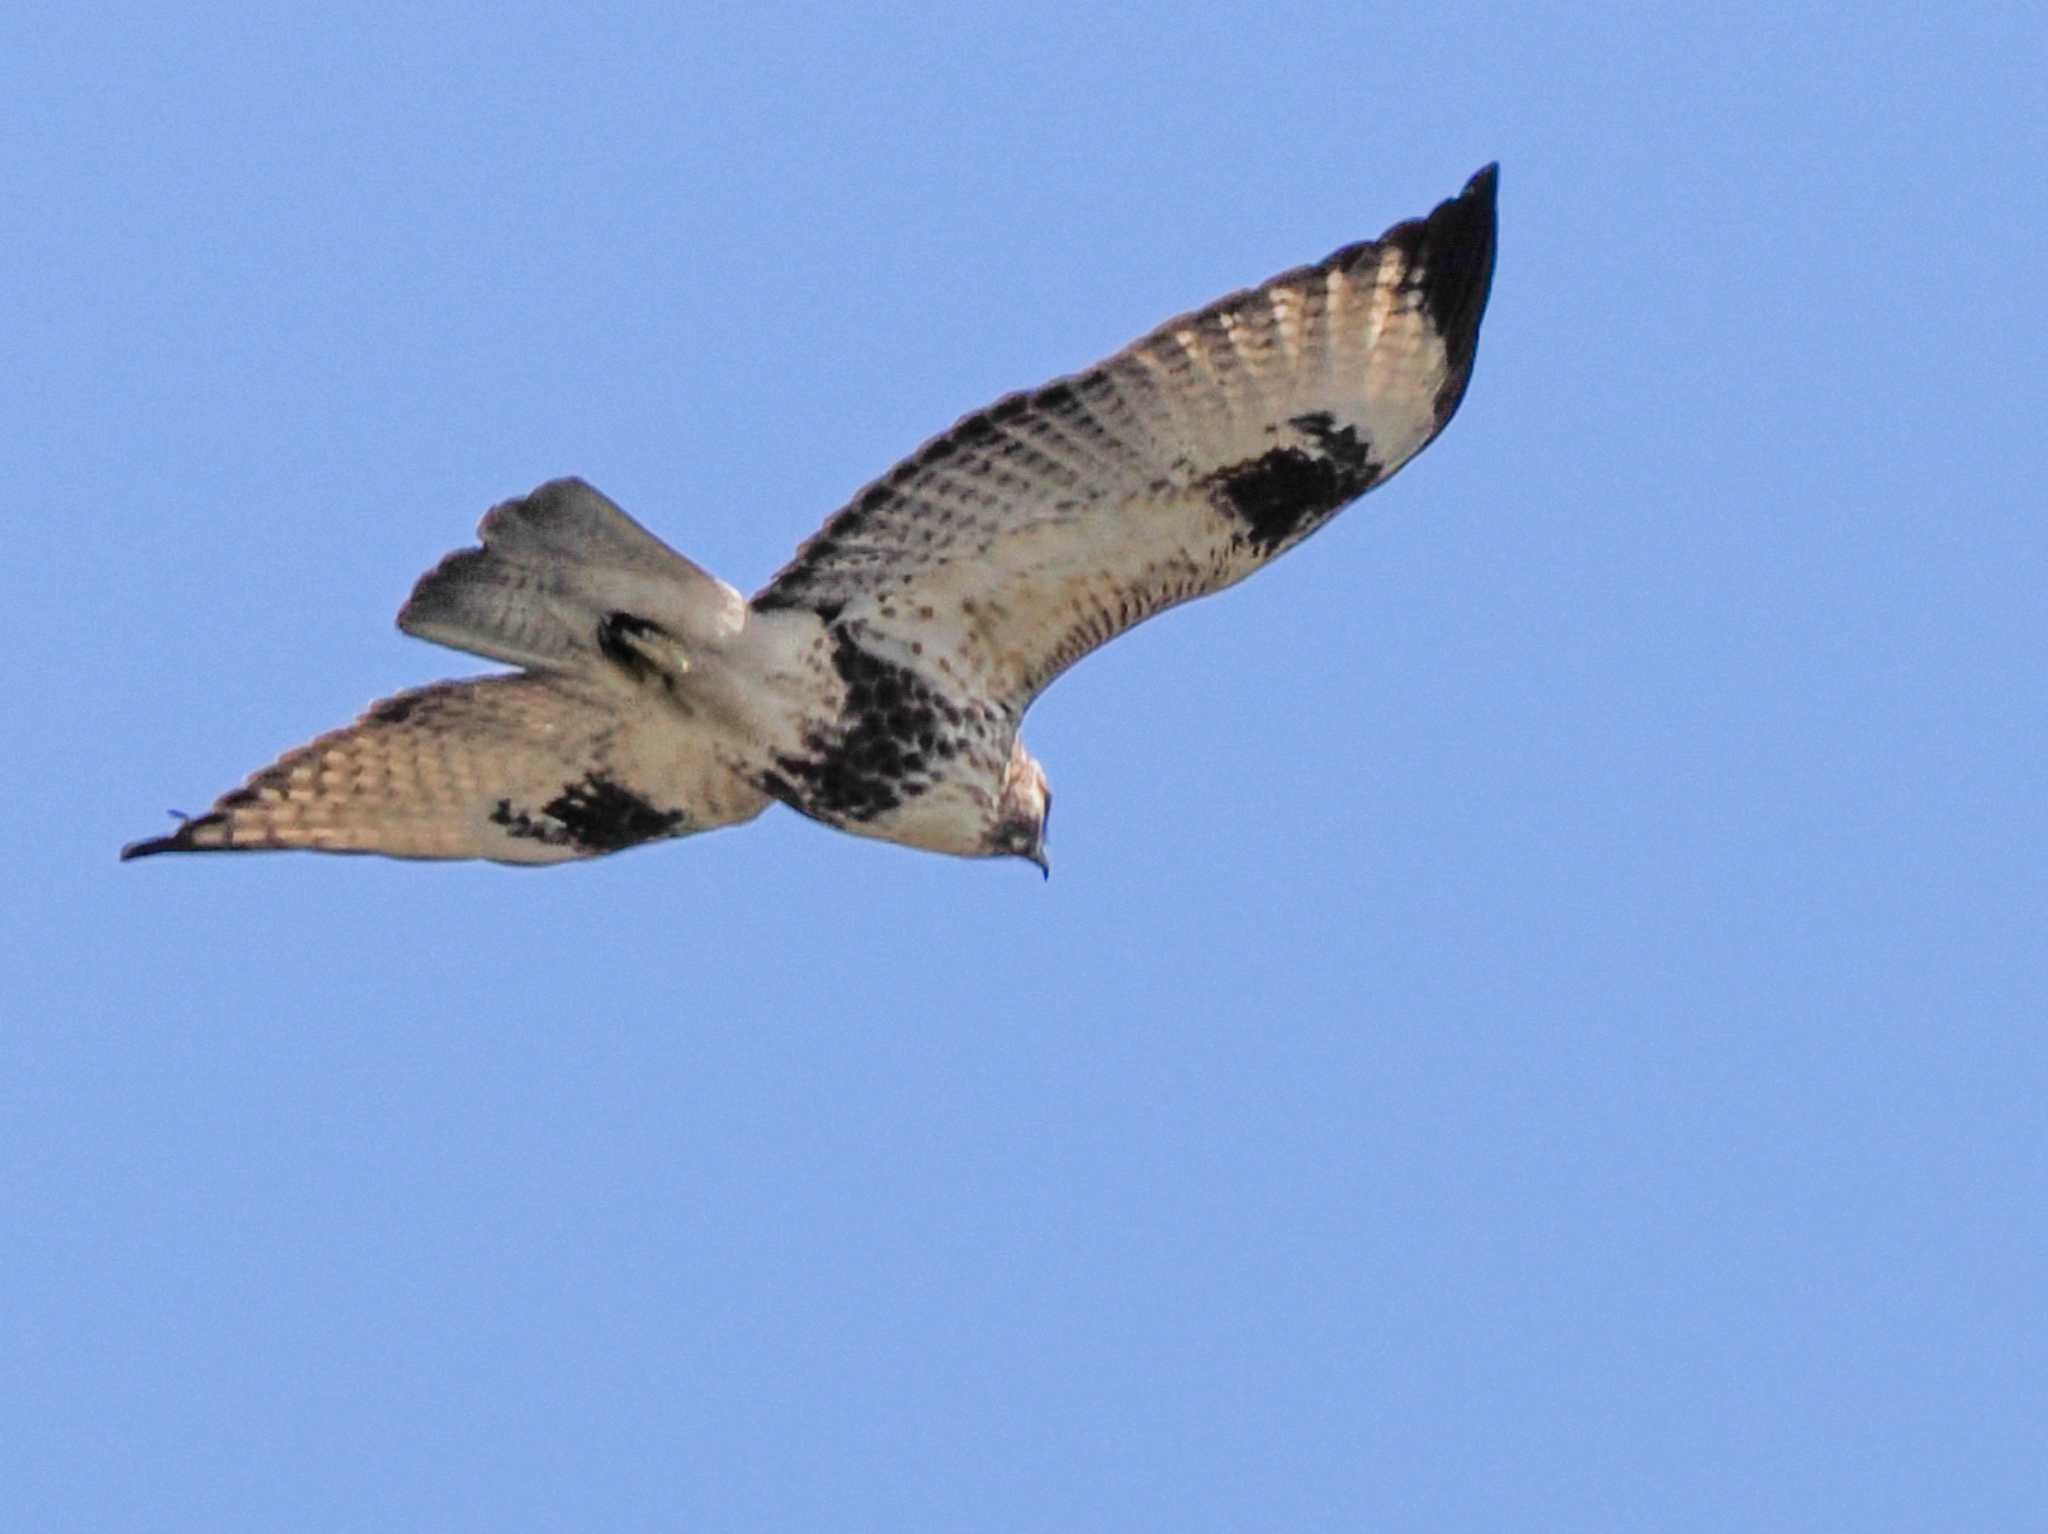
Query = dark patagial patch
x=1283 y=494
x=788 y=588
x=977 y=445
x=880 y=751
x=596 y=815
x=1058 y=399
x=396 y=710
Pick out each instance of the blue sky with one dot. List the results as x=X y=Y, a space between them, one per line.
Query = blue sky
x=1537 y=1021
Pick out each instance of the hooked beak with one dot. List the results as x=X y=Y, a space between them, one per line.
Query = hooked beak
x=1044 y=862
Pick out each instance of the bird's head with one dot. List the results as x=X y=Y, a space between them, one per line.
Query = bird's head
x=1023 y=809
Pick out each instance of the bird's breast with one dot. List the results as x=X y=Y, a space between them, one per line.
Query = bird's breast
x=891 y=748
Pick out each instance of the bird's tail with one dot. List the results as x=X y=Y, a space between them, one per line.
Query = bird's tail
x=555 y=568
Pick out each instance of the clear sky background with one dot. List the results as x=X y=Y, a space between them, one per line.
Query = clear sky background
x=1537 y=1021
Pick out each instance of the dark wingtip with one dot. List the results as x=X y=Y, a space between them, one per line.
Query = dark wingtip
x=1458 y=249
x=1451 y=252
x=179 y=840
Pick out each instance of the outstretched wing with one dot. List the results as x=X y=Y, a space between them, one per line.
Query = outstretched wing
x=527 y=768
x=1042 y=527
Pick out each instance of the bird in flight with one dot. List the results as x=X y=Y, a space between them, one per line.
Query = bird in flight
x=877 y=682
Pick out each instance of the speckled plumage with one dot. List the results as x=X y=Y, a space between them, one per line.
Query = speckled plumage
x=877 y=682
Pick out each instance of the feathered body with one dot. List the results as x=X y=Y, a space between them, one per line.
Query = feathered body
x=877 y=682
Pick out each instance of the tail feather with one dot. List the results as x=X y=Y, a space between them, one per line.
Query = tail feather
x=519 y=769
x=553 y=567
